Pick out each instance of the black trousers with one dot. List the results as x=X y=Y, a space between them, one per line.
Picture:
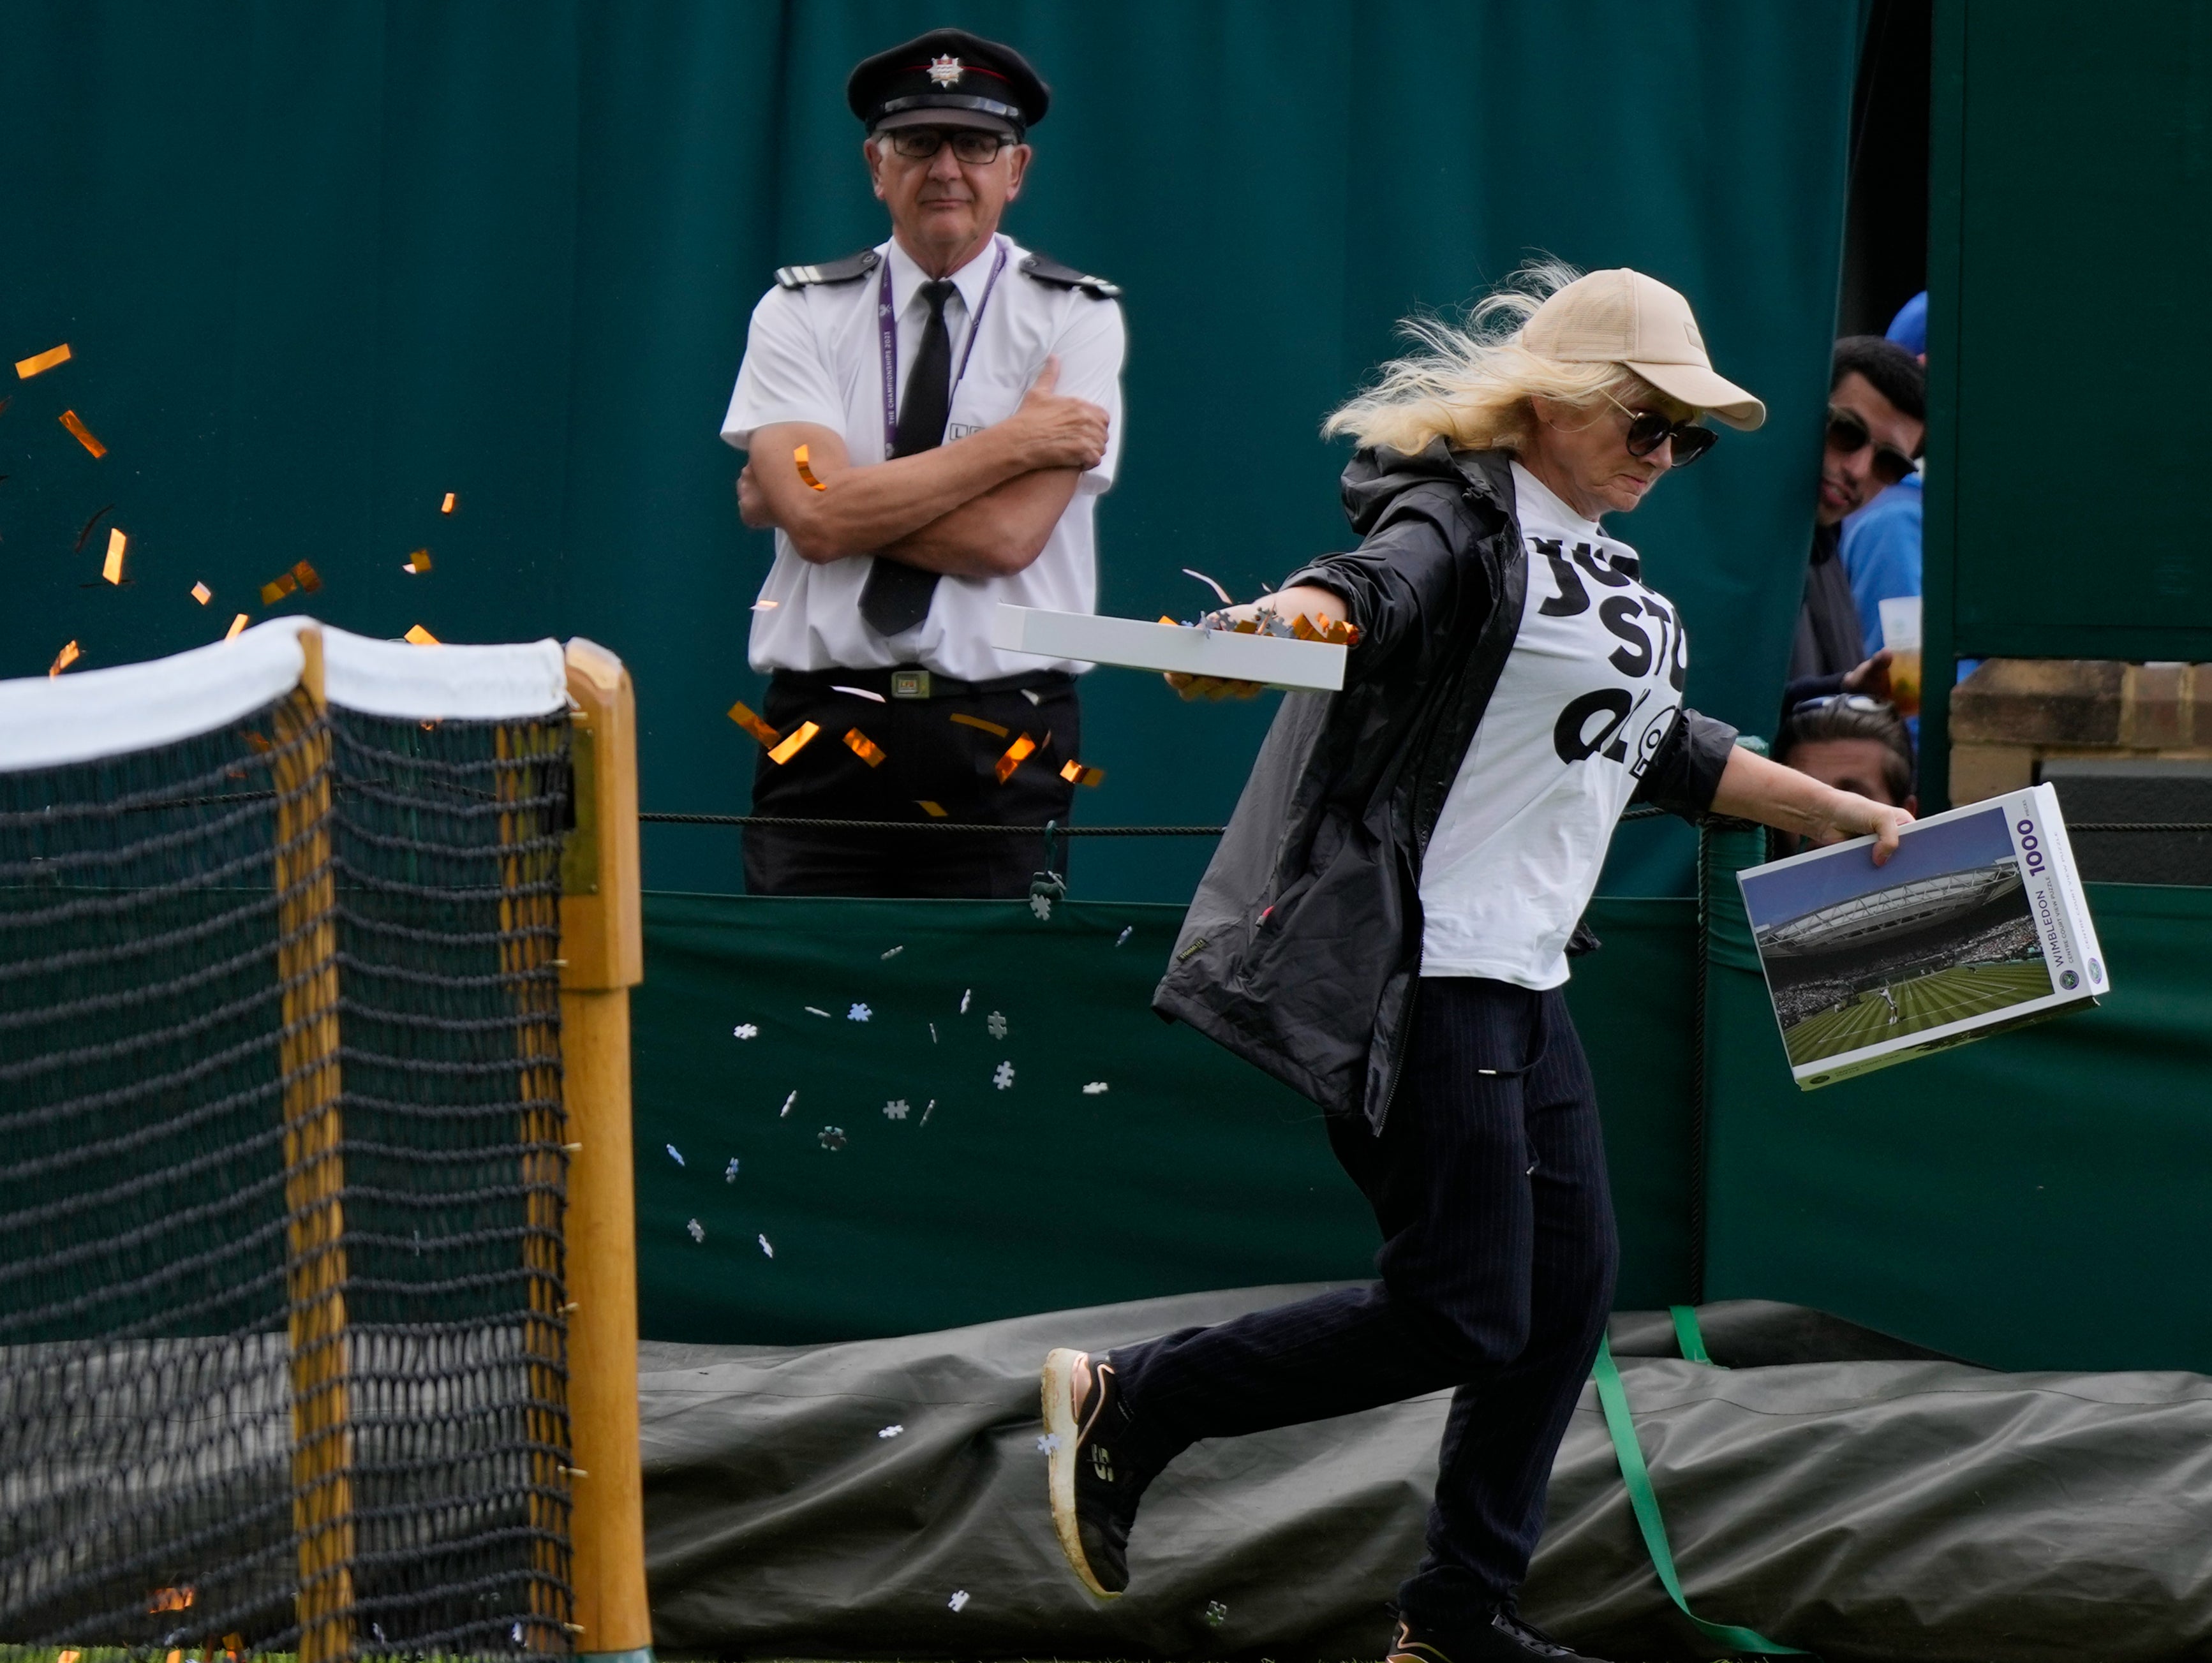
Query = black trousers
x=1498 y=1264
x=927 y=756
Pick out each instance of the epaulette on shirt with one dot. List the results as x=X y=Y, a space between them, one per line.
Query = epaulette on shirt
x=832 y=271
x=1066 y=276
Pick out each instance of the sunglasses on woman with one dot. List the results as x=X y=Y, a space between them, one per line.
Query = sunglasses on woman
x=1649 y=429
x=973 y=145
x=1847 y=432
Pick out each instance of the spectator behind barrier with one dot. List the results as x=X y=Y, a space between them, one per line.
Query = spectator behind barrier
x=1881 y=541
x=1853 y=743
x=1877 y=418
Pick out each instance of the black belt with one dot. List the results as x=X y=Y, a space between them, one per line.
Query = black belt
x=912 y=681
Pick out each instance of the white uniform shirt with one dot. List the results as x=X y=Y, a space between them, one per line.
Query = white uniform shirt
x=813 y=355
x=1591 y=687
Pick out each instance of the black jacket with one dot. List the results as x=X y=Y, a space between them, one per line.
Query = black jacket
x=1301 y=951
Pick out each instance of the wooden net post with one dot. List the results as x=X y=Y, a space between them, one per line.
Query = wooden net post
x=529 y=922
x=602 y=954
x=314 y=1168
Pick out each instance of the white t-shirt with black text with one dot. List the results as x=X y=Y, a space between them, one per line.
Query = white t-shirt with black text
x=1592 y=686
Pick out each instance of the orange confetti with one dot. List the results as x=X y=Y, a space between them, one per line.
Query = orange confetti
x=991 y=728
x=258 y=742
x=83 y=434
x=419 y=561
x=934 y=810
x=40 y=363
x=62 y=660
x=237 y=627
x=1165 y=618
x=308 y=578
x=790 y=748
x=170 y=1599
x=68 y=1657
x=203 y=594
x=864 y=748
x=277 y=587
x=451 y=503
x=112 y=567
x=753 y=724
x=420 y=636
x=1076 y=775
x=799 y=458
x=1016 y=753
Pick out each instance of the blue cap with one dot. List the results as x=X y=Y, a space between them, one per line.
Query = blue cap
x=1909 y=328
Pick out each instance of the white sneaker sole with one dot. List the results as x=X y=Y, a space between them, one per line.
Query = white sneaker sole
x=1057 y=1388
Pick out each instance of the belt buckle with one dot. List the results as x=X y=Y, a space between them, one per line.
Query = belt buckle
x=909 y=683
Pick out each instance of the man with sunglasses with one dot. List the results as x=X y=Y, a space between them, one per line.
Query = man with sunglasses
x=1877 y=417
x=929 y=424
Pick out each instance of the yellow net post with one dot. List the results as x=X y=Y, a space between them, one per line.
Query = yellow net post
x=314 y=1168
x=603 y=955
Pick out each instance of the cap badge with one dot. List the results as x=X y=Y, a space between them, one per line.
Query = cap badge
x=946 y=71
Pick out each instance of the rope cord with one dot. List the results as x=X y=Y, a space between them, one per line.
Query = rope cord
x=791 y=823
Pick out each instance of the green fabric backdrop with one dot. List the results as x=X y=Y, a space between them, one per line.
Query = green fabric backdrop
x=2054 y=145
x=2033 y=1201
x=322 y=264
x=1190 y=1172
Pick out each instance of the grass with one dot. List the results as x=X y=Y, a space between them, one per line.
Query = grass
x=1922 y=1003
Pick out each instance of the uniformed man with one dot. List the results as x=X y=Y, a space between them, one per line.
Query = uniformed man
x=929 y=424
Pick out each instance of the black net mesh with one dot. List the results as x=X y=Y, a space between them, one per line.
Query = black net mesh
x=282 y=1362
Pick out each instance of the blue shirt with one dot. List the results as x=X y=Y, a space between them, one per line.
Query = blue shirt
x=1881 y=554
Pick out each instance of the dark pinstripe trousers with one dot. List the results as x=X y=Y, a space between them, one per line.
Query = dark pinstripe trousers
x=1498 y=1265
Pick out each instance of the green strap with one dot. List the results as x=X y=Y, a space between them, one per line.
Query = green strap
x=1614 y=1401
x=1689 y=1336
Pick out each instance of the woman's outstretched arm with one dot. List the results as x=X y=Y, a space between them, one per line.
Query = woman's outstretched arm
x=1753 y=788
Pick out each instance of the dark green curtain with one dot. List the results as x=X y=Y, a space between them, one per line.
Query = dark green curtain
x=2056 y=148
x=321 y=265
x=2033 y=1201
x=904 y=1190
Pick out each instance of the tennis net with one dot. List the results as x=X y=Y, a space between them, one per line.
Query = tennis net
x=283 y=1308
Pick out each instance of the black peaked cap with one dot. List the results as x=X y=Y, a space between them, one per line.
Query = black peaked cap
x=949 y=69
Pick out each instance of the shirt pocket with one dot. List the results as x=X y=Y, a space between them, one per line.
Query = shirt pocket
x=979 y=401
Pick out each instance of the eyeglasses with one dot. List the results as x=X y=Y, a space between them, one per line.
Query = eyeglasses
x=973 y=145
x=1649 y=429
x=1847 y=432
x=1858 y=703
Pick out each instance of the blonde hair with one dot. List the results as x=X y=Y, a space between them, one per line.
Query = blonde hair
x=1471 y=383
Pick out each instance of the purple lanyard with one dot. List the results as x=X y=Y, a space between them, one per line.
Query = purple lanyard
x=887 y=342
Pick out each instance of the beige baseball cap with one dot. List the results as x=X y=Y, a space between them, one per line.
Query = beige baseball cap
x=1623 y=317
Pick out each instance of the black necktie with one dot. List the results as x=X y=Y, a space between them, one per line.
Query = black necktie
x=896 y=595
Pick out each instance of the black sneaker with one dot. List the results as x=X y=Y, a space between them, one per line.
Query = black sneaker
x=1093 y=1485
x=1504 y=1639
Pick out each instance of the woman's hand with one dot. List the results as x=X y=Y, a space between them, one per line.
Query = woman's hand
x=1323 y=609
x=1753 y=788
x=1191 y=688
x=1850 y=815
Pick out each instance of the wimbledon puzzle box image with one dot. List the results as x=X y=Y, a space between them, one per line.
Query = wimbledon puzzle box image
x=1977 y=924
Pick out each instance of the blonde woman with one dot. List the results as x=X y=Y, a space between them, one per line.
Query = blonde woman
x=1386 y=924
